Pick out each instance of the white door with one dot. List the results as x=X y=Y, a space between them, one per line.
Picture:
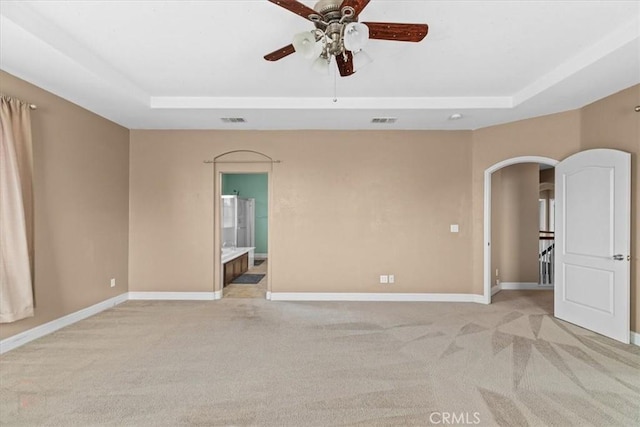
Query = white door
x=592 y=250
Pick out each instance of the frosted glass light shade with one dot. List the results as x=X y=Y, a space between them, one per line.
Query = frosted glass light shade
x=360 y=60
x=321 y=65
x=355 y=36
x=306 y=45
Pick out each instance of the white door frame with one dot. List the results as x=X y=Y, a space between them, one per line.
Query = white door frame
x=487 y=211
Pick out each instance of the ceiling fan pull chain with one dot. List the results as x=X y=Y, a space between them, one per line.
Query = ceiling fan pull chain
x=335 y=85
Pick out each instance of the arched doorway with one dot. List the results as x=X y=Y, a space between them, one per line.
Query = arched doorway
x=239 y=162
x=487 y=211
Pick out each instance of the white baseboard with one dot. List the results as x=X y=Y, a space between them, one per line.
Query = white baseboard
x=495 y=289
x=523 y=286
x=52 y=326
x=346 y=296
x=176 y=296
x=260 y=256
x=22 y=338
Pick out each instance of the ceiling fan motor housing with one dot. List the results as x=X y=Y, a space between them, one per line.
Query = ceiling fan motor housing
x=334 y=33
x=332 y=22
x=326 y=6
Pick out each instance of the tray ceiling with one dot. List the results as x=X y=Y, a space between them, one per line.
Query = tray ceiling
x=188 y=64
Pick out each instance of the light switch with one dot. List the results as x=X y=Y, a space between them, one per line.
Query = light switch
x=454 y=228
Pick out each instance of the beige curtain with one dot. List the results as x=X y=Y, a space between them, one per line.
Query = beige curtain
x=16 y=211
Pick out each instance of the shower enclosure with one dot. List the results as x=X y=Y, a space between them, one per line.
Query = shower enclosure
x=238 y=222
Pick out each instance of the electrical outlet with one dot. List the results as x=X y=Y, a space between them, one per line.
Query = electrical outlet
x=392 y=278
x=384 y=278
x=497 y=273
x=113 y=283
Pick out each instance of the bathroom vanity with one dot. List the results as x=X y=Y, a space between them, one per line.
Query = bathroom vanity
x=236 y=262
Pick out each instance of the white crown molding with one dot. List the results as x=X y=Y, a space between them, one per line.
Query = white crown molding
x=109 y=91
x=407 y=103
x=25 y=17
x=580 y=61
x=29 y=20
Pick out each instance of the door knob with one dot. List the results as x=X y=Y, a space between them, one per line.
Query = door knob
x=618 y=257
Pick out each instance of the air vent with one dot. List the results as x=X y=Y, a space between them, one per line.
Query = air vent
x=384 y=120
x=233 y=120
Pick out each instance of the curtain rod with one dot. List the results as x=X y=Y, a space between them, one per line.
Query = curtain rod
x=241 y=161
x=31 y=106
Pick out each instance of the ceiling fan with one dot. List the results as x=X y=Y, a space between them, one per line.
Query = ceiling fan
x=338 y=34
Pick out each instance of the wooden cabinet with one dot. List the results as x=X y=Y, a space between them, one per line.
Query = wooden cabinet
x=244 y=259
x=236 y=267
x=228 y=272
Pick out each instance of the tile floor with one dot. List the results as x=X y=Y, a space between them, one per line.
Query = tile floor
x=249 y=291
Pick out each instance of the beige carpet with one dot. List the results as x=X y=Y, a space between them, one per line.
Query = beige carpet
x=254 y=362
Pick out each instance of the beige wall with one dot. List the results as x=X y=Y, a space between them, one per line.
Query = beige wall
x=548 y=176
x=547 y=192
x=612 y=123
x=356 y=192
x=346 y=207
x=547 y=196
x=514 y=219
x=81 y=205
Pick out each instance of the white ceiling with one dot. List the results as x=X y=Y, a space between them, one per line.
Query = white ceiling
x=187 y=64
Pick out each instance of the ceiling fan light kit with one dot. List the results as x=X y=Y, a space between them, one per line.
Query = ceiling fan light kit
x=355 y=36
x=360 y=60
x=339 y=35
x=322 y=65
x=306 y=45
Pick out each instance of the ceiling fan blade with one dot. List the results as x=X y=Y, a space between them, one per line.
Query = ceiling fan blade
x=345 y=67
x=397 y=32
x=280 y=53
x=296 y=7
x=357 y=5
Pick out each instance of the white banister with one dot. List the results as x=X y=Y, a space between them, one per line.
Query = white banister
x=545 y=257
